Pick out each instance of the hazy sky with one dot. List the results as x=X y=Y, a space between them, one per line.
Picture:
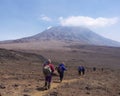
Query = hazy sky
x=22 y=18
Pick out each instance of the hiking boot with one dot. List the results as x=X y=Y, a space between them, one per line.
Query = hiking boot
x=45 y=88
x=60 y=81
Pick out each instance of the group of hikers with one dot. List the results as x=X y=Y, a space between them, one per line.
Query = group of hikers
x=48 y=70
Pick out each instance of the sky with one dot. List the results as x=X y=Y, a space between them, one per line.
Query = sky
x=23 y=18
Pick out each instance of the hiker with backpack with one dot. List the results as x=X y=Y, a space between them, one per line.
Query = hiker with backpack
x=48 y=69
x=60 y=69
x=81 y=70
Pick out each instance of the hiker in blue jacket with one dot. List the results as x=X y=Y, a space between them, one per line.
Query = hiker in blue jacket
x=61 y=68
x=81 y=70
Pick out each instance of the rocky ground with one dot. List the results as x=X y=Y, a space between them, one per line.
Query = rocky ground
x=21 y=72
x=94 y=83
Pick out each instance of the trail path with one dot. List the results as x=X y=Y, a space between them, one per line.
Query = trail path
x=55 y=85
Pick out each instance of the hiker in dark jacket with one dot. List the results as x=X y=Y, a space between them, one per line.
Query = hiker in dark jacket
x=61 y=68
x=81 y=70
x=48 y=69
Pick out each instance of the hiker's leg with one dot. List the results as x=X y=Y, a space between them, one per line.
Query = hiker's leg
x=49 y=81
x=49 y=85
x=61 y=76
x=45 y=81
x=79 y=72
x=45 y=84
x=83 y=72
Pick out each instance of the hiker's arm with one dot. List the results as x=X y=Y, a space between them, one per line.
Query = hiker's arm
x=64 y=68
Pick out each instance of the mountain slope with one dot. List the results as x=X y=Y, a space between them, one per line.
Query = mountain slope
x=79 y=34
x=76 y=34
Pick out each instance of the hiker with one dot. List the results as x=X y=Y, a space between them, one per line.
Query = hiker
x=94 y=68
x=102 y=69
x=48 y=69
x=81 y=70
x=60 y=69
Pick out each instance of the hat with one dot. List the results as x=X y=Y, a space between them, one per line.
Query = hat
x=48 y=61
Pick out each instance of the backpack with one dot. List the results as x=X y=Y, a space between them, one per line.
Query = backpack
x=47 y=70
x=59 y=69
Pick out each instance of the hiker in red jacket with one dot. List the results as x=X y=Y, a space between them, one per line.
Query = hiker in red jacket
x=48 y=69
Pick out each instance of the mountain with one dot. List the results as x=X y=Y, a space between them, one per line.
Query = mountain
x=72 y=34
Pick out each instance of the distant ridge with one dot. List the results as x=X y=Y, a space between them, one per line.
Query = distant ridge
x=72 y=34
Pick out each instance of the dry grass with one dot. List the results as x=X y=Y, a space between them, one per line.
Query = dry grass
x=21 y=71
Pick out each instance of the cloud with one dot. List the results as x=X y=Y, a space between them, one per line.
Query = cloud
x=87 y=21
x=49 y=27
x=45 y=18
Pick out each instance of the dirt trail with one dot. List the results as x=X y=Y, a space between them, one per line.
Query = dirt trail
x=55 y=85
